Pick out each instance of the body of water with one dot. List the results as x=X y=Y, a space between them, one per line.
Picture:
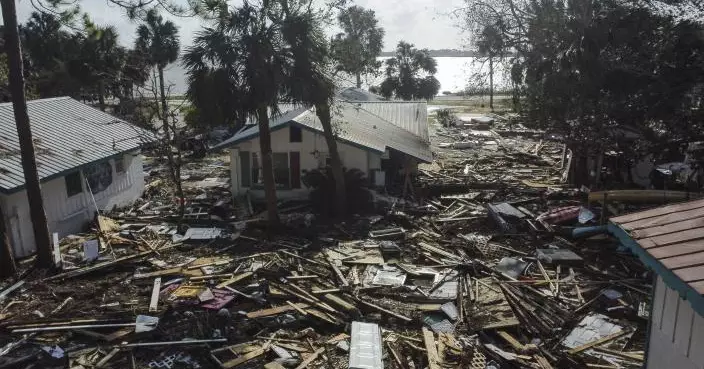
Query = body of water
x=454 y=73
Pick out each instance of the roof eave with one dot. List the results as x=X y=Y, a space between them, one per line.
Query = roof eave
x=669 y=277
x=13 y=190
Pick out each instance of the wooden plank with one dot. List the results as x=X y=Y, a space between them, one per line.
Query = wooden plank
x=511 y=341
x=235 y=279
x=692 y=274
x=159 y=273
x=663 y=219
x=598 y=342
x=683 y=261
x=389 y=312
x=438 y=251
x=154 y=304
x=243 y=359
x=339 y=302
x=673 y=238
x=273 y=311
x=273 y=365
x=543 y=362
x=674 y=208
x=337 y=270
x=300 y=310
x=677 y=249
x=677 y=225
x=310 y=359
x=698 y=286
x=431 y=349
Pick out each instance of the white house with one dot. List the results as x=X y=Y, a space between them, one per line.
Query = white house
x=85 y=159
x=380 y=138
x=670 y=240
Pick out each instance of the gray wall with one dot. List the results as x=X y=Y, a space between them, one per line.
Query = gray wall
x=676 y=332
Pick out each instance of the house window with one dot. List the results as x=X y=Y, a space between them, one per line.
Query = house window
x=282 y=174
x=74 y=186
x=99 y=176
x=295 y=134
x=120 y=165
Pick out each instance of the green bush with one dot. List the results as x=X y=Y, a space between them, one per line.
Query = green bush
x=322 y=195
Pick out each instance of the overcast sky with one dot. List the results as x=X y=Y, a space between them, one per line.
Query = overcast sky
x=425 y=23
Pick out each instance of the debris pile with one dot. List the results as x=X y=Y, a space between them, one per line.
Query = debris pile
x=490 y=271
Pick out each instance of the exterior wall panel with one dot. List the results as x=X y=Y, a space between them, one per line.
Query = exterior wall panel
x=67 y=215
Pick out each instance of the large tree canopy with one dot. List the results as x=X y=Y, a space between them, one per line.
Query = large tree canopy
x=356 y=49
x=587 y=69
x=410 y=74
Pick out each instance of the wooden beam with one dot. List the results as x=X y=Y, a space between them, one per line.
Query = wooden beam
x=389 y=312
x=235 y=279
x=431 y=349
x=274 y=311
x=598 y=342
x=310 y=358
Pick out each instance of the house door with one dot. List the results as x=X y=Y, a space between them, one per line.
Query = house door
x=295 y=166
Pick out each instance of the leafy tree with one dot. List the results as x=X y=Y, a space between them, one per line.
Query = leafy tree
x=309 y=84
x=490 y=44
x=410 y=74
x=356 y=49
x=102 y=59
x=158 y=41
x=265 y=53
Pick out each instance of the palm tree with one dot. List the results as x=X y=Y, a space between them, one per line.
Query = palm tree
x=158 y=41
x=310 y=84
x=103 y=58
x=268 y=53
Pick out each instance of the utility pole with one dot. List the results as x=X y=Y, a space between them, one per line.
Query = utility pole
x=24 y=134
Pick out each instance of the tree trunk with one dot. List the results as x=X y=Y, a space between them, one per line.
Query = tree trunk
x=359 y=80
x=174 y=167
x=24 y=134
x=7 y=258
x=491 y=82
x=267 y=165
x=101 y=95
x=323 y=113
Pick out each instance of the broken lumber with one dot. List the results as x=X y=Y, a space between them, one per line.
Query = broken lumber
x=310 y=358
x=598 y=342
x=431 y=349
x=381 y=309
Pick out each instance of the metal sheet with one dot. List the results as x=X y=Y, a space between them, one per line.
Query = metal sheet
x=365 y=347
x=67 y=134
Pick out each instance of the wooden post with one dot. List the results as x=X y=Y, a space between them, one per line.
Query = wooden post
x=24 y=135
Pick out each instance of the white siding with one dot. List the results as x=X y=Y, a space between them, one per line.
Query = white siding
x=312 y=149
x=67 y=215
x=676 y=332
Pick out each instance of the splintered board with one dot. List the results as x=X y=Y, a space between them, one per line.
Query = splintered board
x=491 y=309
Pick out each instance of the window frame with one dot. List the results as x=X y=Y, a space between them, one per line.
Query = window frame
x=296 y=137
x=69 y=186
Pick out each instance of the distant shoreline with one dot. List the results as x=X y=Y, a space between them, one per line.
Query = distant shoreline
x=440 y=54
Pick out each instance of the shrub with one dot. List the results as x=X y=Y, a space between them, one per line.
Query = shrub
x=322 y=195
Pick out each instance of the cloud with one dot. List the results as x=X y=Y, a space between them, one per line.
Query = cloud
x=424 y=23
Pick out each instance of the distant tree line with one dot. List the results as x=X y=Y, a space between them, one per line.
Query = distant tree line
x=585 y=68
